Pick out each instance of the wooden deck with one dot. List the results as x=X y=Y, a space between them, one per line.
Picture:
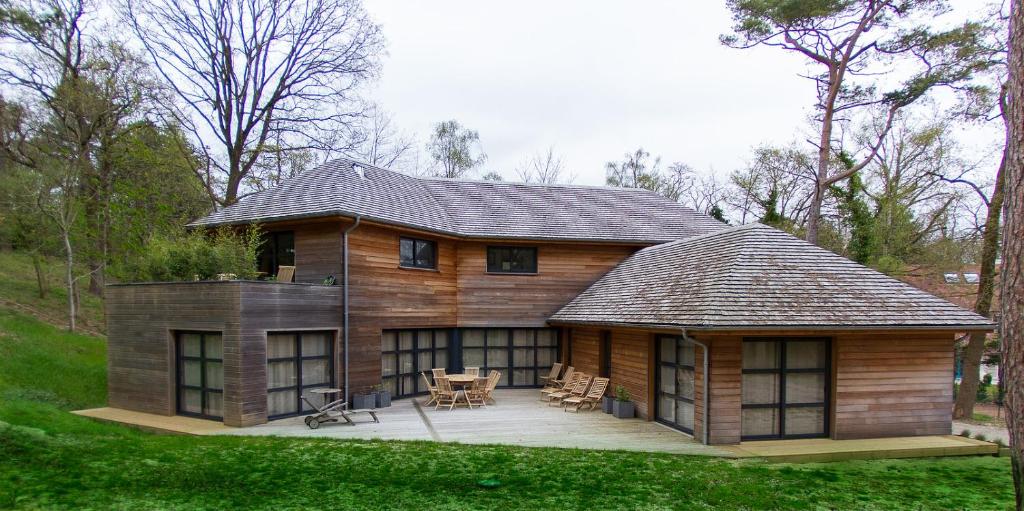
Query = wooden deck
x=520 y=419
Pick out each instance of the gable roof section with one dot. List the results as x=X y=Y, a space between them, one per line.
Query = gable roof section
x=756 y=277
x=472 y=209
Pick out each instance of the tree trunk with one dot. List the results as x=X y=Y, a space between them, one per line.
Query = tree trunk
x=37 y=263
x=965 y=399
x=1012 y=279
x=70 y=275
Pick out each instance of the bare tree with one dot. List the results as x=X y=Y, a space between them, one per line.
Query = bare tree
x=544 y=168
x=455 y=150
x=247 y=72
x=380 y=143
x=775 y=178
x=847 y=41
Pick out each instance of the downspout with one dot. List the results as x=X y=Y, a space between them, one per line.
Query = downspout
x=707 y=391
x=344 y=243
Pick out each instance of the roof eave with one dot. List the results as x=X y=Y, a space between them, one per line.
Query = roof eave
x=711 y=328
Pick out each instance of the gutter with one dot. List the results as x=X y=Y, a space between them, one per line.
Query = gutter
x=344 y=246
x=706 y=378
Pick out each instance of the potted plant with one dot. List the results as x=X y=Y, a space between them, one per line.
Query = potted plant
x=363 y=400
x=606 y=403
x=622 y=408
x=383 y=396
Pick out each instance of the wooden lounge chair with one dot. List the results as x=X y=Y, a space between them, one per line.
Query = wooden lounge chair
x=446 y=395
x=591 y=399
x=555 y=399
x=431 y=388
x=553 y=375
x=471 y=371
x=492 y=383
x=285 y=273
x=476 y=394
x=566 y=387
x=438 y=373
x=569 y=371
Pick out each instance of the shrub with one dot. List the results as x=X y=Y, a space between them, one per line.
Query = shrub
x=621 y=393
x=981 y=436
x=999 y=442
x=966 y=433
x=196 y=255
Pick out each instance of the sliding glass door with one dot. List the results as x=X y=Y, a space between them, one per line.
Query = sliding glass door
x=675 y=382
x=407 y=353
x=297 y=361
x=785 y=388
x=200 y=371
x=521 y=354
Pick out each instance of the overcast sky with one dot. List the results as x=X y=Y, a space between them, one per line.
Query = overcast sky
x=593 y=79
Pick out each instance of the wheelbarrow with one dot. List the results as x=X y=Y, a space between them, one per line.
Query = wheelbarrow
x=333 y=411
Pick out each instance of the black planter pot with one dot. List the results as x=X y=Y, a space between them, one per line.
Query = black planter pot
x=623 y=409
x=363 y=401
x=606 y=404
x=383 y=399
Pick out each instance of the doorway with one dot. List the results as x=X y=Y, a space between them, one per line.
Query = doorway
x=785 y=388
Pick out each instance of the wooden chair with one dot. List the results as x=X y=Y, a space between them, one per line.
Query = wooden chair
x=431 y=388
x=580 y=389
x=445 y=394
x=476 y=394
x=565 y=387
x=285 y=273
x=472 y=371
x=438 y=373
x=553 y=375
x=591 y=399
x=492 y=383
x=565 y=377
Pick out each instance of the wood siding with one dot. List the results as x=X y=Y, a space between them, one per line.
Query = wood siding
x=317 y=252
x=630 y=358
x=142 y=320
x=563 y=271
x=897 y=384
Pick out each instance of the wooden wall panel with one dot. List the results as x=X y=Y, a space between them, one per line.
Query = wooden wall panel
x=725 y=381
x=631 y=353
x=563 y=271
x=586 y=344
x=893 y=384
x=317 y=252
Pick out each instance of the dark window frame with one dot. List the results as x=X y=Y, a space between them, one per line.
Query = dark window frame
x=298 y=358
x=180 y=385
x=415 y=253
x=605 y=370
x=782 y=371
x=272 y=246
x=415 y=354
x=511 y=259
x=511 y=366
x=675 y=365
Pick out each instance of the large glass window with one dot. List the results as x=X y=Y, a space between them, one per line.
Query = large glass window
x=417 y=253
x=521 y=354
x=785 y=388
x=297 y=361
x=278 y=250
x=675 y=382
x=407 y=353
x=512 y=259
x=200 y=370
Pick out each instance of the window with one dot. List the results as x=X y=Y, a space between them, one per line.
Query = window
x=606 y=354
x=200 y=374
x=297 y=361
x=277 y=250
x=784 y=388
x=521 y=354
x=417 y=253
x=675 y=382
x=951 y=278
x=972 y=278
x=512 y=259
x=407 y=353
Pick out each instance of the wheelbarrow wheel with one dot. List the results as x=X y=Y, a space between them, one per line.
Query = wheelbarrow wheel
x=312 y=422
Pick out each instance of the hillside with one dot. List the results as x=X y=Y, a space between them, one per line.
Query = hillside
x=19 y=290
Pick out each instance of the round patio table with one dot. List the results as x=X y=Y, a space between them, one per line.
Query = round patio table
x=461 y=379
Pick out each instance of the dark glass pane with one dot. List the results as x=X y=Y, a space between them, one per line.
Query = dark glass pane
x=497 y=257
x=214 y=404
x=285 y=242
x=524 y=260
x=425 y=254
x=805 y=421
x=761 y=355
x=406 y=252
x=760 y=421
x=806 y=354
x=190 y=345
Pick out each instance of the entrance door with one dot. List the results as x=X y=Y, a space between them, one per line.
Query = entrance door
x=675 y=383
x=785 y=388
x=200 y=371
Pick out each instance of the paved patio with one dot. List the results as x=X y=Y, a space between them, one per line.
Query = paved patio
x=517 y=418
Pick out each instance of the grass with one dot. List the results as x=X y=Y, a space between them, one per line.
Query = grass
x=20 y=290
x=981 y=417
x=50 y=459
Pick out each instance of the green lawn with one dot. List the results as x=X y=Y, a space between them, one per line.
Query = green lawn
x=50 y=459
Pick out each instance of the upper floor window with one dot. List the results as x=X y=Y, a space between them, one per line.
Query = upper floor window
x=278 y=249
x=417 y=253
x=512 y=259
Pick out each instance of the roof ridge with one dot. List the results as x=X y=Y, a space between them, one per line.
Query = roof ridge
x=699 y=237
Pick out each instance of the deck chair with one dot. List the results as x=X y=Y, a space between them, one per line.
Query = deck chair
x=431 y=388
x=472 y=371
x=591 y=399
x=553 y=375
x=566 y=387
x=476 y=394
x=438 y=373
x=582 y=385
x=285 y=273
x=446 y=395
x=558 y=383
x=492 y=383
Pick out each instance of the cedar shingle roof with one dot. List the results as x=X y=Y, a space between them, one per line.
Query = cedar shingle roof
x=475 y=209
x=755 y=277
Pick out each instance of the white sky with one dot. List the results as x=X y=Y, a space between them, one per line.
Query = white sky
x=593 y=79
